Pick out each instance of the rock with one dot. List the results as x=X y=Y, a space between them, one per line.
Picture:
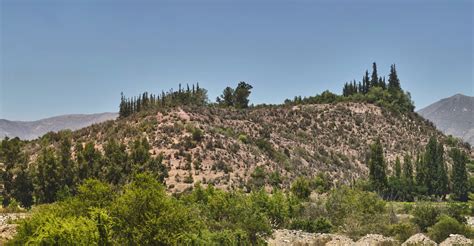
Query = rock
x=376 y=240
x=338 y=240
x=8 y=231
x=419 y=240
x=299 y=238
x=456 y=239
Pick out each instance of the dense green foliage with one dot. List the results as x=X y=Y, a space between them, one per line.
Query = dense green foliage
x=189 y=96
x=372 y=90
x=56 y=173
x=142 y=213
x=460 y=175
x=431 y=180
x=237 y=97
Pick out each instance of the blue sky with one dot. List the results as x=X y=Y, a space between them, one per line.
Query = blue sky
x=76 y=56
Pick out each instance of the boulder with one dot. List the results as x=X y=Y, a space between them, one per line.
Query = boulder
x=376 y=240
x=299 y=238
x=419 y=240
x=456 y=239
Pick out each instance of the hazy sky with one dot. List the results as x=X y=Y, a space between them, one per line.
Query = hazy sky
x=76 y=56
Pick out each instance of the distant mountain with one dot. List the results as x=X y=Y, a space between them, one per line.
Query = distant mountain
x=453 y=115
x=32 y=129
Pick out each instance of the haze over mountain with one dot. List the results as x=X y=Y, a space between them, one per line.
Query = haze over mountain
x=453 y=115
x=28 y=130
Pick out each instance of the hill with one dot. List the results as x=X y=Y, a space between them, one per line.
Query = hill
x=453 y=115
x=268 y=145
x=28 y=130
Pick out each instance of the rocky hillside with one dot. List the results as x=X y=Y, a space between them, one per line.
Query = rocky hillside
x=32 y=129
x=272 y=145
x=453 y=115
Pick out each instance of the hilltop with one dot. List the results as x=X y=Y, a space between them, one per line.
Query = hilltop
x=186 y=140
x=453 y=115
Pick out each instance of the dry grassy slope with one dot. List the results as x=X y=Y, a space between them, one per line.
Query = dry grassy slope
x=307 y=139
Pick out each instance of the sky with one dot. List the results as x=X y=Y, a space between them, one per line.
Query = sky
x=76 y=56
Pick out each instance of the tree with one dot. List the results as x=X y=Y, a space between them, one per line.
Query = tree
x=11 y=156
x=227 y=97
x=377 y=173
x=431 y=164
x=408 y=169
x=145 y=215
x=398 y=168
x=241 y=94
x=67 y=164
x=421 y=175
x=443 y=182
x=366 y=83
x=393 y=81
x=23 y=186
x=117 y=165
x=459 y=175
x=89 y=160
x=301 y=188
x=48 y=177
x=374 y=81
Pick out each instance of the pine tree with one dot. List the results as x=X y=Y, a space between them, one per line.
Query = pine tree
x=241 y=95
x=67 y=165
x=48 y=181
x=116 y=161
x=11 y=156
x=459 y=175
x=377 y=173
x=23 y=186
x=227 y=97
x=393 y=81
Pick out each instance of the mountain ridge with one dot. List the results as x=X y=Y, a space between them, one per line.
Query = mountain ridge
x=453 y=115
x=28 y=130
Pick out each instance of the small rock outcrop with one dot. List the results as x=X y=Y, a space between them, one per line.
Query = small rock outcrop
x=290 y=237
x=419 y=240
x=376 y=240
x=456 y=239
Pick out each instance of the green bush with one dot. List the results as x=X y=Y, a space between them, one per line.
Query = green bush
x=446 y=226
x=145 y=214
x=301 y=188
x=403 y=231
x=320 y=225
x=356 y=212
x=425 y=215
x=243 y=138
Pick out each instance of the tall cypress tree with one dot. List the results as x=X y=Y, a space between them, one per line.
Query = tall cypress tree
x=377 y=173
x=366 y=82
x=459 y=175
x=421 y=174
x=408 y=169
x=431 y=164
x=375 y=78
x=398 y=168
x=393 y=81
x=442 y=176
